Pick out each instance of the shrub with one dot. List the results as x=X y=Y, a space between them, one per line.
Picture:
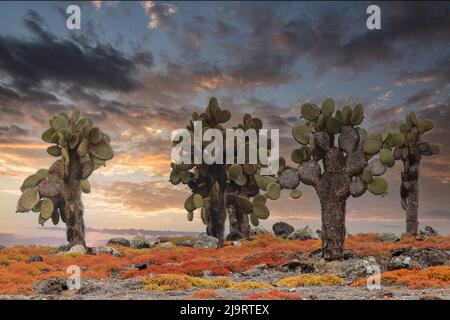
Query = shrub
x=432 y=277
x=250 y=285
x=205 y=294
x=306 y=280
x=274 y=295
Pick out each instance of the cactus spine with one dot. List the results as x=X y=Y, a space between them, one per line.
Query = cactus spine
x=56 y=193
x=345 y=150
x=410 y=152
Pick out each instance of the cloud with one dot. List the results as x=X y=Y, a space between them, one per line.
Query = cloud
x=439 y=72
x=423 y=97
x=13 y=130
x=158 y=12
x=47 y=58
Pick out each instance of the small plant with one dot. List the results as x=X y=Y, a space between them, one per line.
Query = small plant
x=410 y=153
x=307 y=280
x=205 y=294
x=274 y=295
x=55 y=193
x=432 y=277
x=336 y=139
x=251 y=285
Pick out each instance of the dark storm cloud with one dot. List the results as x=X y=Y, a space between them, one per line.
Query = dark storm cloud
x=325 y=42
x=439 y=72
x=423 y=97
x=13 y=131
x=48 y=58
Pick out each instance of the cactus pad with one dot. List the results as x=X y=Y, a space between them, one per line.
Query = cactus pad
x=260 y=210
x=372 y=144
x=295 y=194
x=301 y=134
x=29 y=198
x=379 y=186
x=310 y=111
x=102 y=150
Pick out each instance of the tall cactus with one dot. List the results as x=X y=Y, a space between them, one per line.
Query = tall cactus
x=345 y=150
x=410 y=153
x=56 y=193
x=218 y=189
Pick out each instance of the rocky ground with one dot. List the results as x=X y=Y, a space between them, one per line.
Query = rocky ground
x=267 y=267
x=131 y=289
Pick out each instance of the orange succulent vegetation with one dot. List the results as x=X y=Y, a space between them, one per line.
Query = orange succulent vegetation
x=306 y=280
x=268 y=249
x=167 y=282
x=274 y=295
x=432 y=277
x=205 y=294
x=368 y=244
x=18 y=277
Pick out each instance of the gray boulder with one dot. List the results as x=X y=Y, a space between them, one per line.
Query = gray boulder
x=410 y=258
x=360 y=268
x=305 y=233
x=206 y=241
x=282 y=229
x=166 y=245
x=60 y=249
x=34 y=259
x=400 y=262
x=185 y=243
x=2 y=247
x=51 y=286
x=120 y=241
x=140 y=242
x=79 y=249
x=108 y=250
x=429 y=231
x=258 y=230
x=388 y=237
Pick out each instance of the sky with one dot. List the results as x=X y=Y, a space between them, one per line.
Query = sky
x=139 y=69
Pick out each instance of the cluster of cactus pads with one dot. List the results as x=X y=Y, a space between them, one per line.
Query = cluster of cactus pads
x=353 y=162
x=56 y=192
x=218 y=189
x=410 y=152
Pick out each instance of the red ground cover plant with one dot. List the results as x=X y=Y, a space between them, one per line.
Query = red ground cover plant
x=18 y=277
x=368 y=245
x=274 y=295
x=205 y=294
x=432 y=277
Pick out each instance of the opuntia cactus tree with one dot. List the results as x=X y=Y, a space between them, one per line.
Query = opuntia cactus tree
x=218 y=189
x=352 y=163
x=410 y=153
x=55 y=193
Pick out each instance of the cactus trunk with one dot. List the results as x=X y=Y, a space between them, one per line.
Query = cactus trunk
x=333 y=191
x=75 y=226
x=73 y=208
x=333 y=228
x=217 y=215
x=239 y=222
x=412 y=200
